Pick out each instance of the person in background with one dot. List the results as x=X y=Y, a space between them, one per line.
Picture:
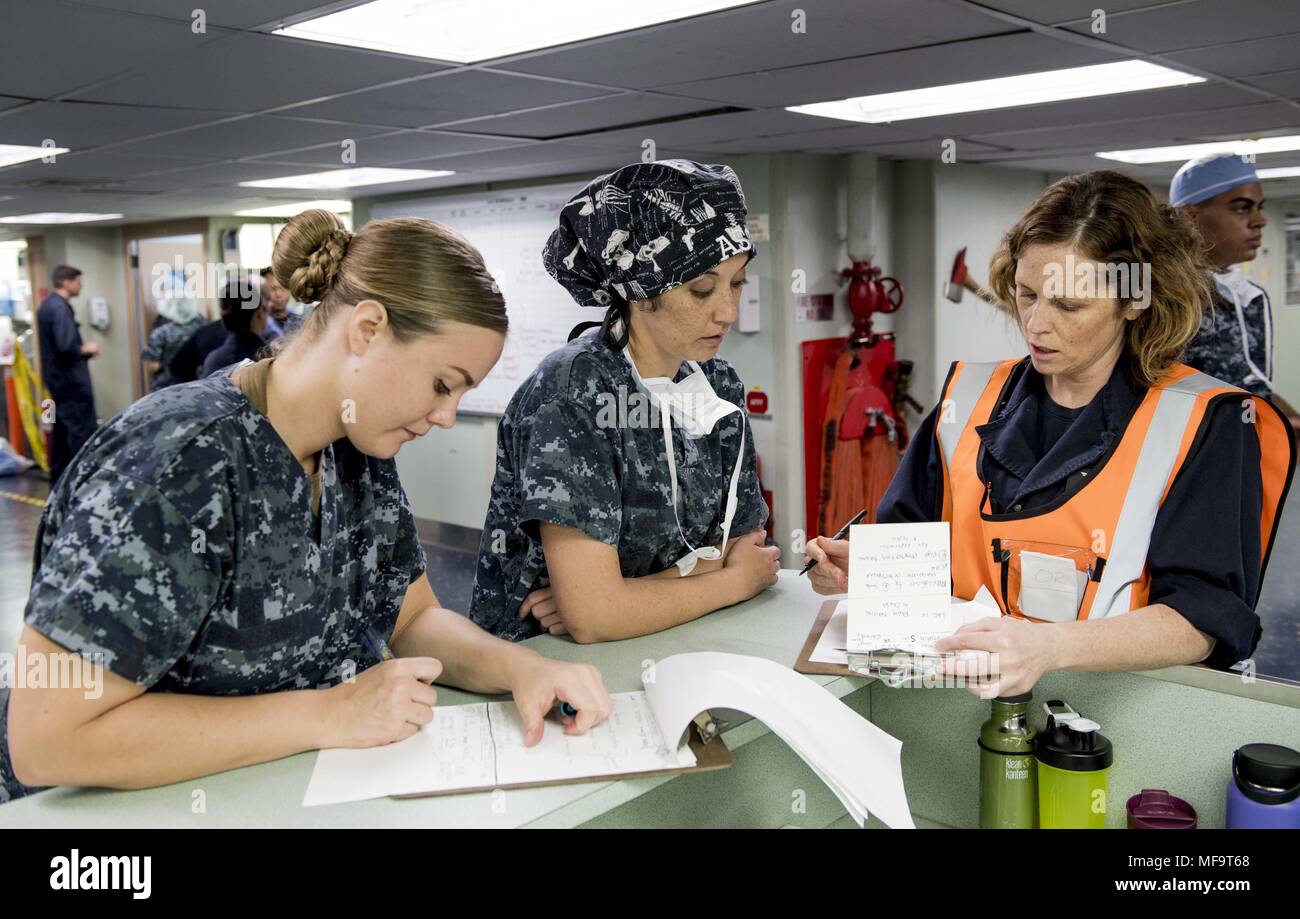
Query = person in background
x=188 y=360
x=182 y=320
x=65 y=370
x=243 y=313
x=279 y=321
x=1221 y=195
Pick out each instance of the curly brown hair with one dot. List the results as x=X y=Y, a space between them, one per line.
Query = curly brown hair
x=1110 y=217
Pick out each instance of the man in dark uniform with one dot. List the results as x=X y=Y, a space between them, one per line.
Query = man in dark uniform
x=65 y=370
x=1221 y=194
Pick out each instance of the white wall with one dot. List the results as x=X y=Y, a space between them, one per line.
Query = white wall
x=974 y=206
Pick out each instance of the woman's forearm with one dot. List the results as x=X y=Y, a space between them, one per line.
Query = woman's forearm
x=1149 y=638
x=158 y=738
x=471 y=659
x=640 y=606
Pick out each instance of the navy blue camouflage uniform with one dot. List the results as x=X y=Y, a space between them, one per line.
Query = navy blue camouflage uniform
x=1217 y=348
x=575 y=448
x=183 y=547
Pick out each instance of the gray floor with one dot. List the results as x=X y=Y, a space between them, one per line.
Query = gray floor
x=451 y=572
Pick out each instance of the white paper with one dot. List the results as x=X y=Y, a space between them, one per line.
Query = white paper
x=899 y=586
x=1049 y=587
x=481 y=746
x=832 y=645
x=858 y=761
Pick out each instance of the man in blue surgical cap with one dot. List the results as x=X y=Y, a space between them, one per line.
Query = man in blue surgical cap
x=1222 y=196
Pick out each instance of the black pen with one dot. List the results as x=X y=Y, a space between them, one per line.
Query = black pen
x=844 y=531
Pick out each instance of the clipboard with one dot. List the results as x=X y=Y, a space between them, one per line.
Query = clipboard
x=803 y=664
x=710 y=756
x=892 y=667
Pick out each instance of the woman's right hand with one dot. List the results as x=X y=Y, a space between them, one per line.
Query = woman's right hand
x=831 y=575
x=752 y=564
x=389 y=702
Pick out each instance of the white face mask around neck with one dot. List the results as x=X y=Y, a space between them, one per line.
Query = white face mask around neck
x=697 y=409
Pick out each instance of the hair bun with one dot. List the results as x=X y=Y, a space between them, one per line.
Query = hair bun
x=309 y=253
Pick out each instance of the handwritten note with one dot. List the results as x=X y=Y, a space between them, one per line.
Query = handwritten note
x=481 y=746
x=899 y=586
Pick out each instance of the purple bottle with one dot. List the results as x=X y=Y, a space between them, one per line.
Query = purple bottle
x=1264 y=792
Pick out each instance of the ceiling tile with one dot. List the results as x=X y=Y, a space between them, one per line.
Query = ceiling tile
x=736 y=41
x=445 y=98
x=391 y=149
x=256 y=135
x=78 y=125
x=1053 y=12
x=1176 y=26
x=590 y=115
x=1239 y=59
x=978 y=59
x=1076 y=112
x=92 y=44
x=234 y=14
x=1286 y=83
x=1247 y=120
x=249 y=72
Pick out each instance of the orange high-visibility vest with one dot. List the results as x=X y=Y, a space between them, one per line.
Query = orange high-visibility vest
x=1105 y=526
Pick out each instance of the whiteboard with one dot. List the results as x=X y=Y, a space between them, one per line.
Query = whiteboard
x=510 y=228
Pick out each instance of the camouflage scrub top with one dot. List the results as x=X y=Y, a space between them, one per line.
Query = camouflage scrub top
x=1216 y=350
x=164 y=342
x=182 y=546
x=568 y=454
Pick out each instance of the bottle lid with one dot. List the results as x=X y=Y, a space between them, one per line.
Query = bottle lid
x=1157 y=809
x=1016 y=699
x=1076 y=745
x=1267 y=773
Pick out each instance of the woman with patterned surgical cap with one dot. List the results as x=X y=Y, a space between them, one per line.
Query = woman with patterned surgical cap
x=626 y=497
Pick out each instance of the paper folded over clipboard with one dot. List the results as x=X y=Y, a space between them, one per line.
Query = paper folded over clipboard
x=480 y=746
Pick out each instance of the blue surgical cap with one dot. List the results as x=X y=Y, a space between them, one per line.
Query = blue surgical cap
x=1207 y=176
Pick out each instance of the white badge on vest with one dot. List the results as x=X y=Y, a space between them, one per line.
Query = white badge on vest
x=697 y=409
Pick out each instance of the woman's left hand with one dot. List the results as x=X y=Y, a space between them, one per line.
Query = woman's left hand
x=538 y=683
x=540 y=604
x=1018 y=653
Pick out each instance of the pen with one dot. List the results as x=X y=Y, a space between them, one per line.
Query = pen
x=375 y=642
x=844 y=530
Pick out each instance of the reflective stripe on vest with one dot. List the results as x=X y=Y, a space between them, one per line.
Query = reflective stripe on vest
x=1127 y=558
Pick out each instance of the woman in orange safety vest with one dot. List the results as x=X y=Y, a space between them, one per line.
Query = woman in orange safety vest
x=1098 y=455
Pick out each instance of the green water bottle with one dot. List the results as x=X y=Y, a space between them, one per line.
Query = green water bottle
x=1074 y=761
x=1008 y=773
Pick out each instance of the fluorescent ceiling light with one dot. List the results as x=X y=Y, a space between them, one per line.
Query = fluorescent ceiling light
x=295 y=208
x=57 y=217
x=1192 y=151
x=11 y=154
x=348 y=178
x=468 y=31
x=1278 y=172
x=1003 y=92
